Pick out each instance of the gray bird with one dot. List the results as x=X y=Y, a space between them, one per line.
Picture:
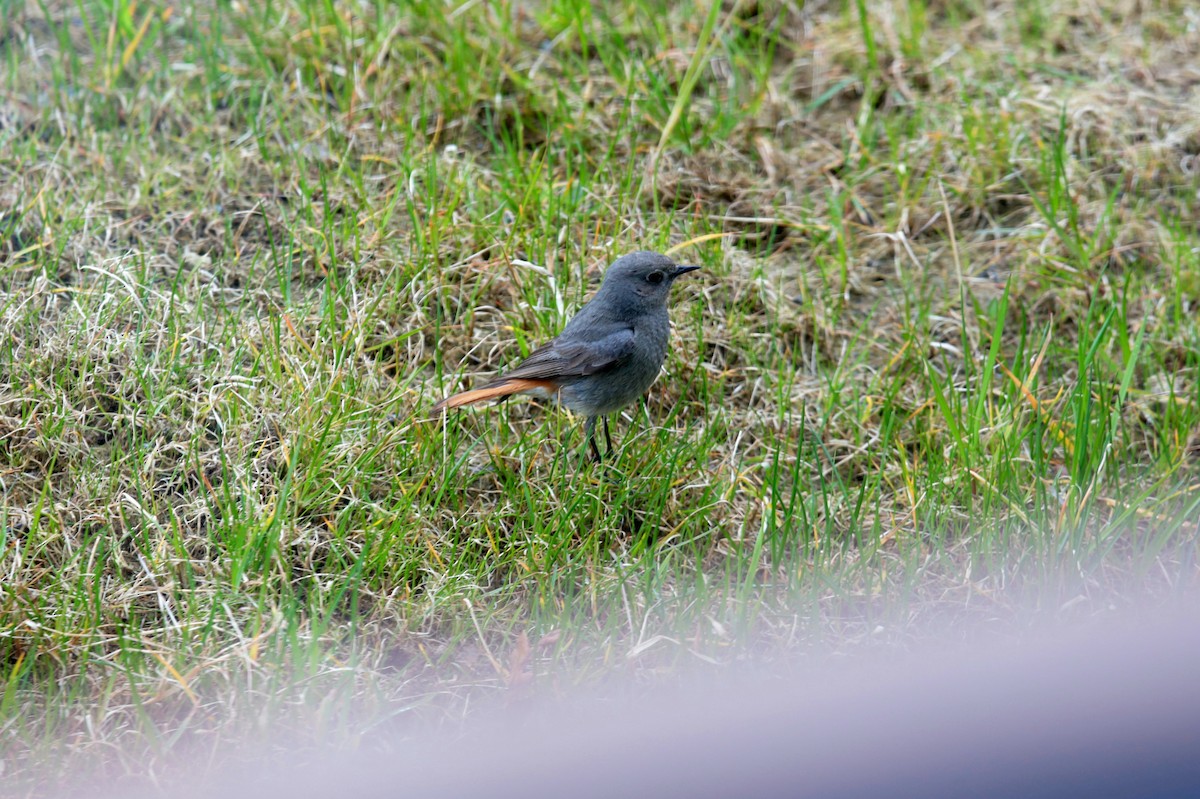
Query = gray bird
x=607 y=356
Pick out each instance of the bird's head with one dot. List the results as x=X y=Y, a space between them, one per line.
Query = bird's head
x=645 y=276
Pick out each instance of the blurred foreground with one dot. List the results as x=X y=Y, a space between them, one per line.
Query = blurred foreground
x=1109 y=710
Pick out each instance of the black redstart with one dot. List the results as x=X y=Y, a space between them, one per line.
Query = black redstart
x=607 y=356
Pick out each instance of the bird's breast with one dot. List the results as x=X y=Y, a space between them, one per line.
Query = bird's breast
x=622 y=385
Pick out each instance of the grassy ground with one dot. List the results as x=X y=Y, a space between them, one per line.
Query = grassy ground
x=943 y=362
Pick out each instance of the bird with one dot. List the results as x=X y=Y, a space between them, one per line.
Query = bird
x=607 y=355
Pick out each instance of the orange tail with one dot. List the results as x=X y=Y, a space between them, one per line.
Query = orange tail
x=504 y=389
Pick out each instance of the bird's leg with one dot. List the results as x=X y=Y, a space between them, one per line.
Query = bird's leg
x=589 y=429
x=607 y=436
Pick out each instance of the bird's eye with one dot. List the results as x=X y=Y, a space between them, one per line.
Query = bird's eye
x=656 y=277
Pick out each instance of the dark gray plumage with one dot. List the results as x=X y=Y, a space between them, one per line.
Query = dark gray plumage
x=607 y=356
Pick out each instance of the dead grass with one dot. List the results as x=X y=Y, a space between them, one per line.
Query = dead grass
x=944 y=363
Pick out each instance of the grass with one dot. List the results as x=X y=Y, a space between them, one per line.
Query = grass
x=943 y=362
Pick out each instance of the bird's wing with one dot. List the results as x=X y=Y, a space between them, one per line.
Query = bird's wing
x=575 y=358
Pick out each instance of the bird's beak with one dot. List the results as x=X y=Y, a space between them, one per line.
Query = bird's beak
x=683 y=269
